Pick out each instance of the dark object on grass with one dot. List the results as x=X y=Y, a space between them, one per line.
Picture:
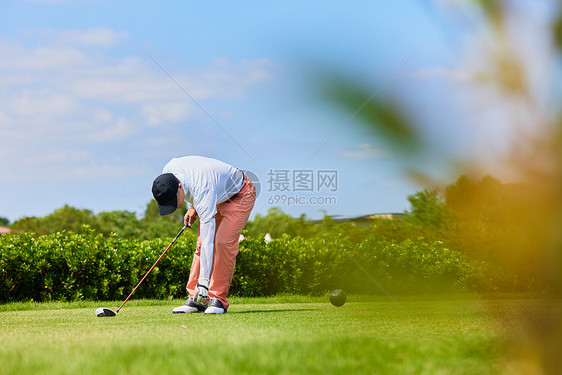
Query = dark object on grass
x=338 y=297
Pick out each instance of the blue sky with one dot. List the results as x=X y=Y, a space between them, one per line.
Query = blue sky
x=89 y=114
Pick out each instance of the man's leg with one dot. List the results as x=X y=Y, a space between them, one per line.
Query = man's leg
x=235 y=214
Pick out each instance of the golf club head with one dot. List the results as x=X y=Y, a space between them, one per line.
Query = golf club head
x=102 y=311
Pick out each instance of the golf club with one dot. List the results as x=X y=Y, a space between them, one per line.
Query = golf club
x=103 y=311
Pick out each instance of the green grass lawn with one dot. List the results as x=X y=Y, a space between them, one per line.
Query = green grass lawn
x=279 y=335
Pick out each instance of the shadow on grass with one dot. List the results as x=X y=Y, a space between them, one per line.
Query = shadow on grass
x=269 y=311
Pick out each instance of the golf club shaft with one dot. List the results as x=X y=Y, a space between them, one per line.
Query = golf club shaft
x=155 y=263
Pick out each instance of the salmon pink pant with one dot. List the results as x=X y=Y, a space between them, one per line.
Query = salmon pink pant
x=230 y=219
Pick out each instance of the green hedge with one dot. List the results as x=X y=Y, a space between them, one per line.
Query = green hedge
x=68 y=266
x=374 y=266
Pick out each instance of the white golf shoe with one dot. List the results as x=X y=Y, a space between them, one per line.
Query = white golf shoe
x=189 y=307
x=215 y=307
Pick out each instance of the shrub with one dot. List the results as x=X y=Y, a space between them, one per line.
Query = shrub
x=67 y=266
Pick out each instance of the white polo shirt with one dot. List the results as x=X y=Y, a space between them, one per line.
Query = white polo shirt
x=206 y=182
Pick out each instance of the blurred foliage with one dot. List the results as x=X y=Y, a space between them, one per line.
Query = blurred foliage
x=4 y=222
x=557 y=31
x=493 y=10
x=514 y=228
x=508 y=73
x=492 y=221
x=390 y=119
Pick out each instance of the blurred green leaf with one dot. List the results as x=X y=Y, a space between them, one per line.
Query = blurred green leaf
x=510 y=74
x=557 y=31
x=493 y=10
x=379 y=114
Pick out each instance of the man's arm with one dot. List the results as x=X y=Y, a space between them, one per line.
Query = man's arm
x=207 y=234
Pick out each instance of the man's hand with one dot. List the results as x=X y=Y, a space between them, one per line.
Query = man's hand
x=190 y=217
x=201 y=290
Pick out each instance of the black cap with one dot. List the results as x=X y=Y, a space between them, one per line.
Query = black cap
x=164 y=189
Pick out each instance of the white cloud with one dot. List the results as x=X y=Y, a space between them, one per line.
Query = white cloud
x=56 y=157
x=365 y=151
x=223 y=78
x=103 y=171
x=59 y=1
x=117 y=130
x=47 y=1
x=58 y=96
x=158 y=114
x=91 y=37
x=39 y=59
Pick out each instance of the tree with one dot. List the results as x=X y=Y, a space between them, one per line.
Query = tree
x=123 y=223
x=69 y=219
x=64 y=218
x=277 y=223
x=428 y=210
x=29 y=224
x=154 y=226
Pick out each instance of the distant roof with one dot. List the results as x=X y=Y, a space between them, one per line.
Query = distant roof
x=4 y=230
x=365 y=220
x=389 y=215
